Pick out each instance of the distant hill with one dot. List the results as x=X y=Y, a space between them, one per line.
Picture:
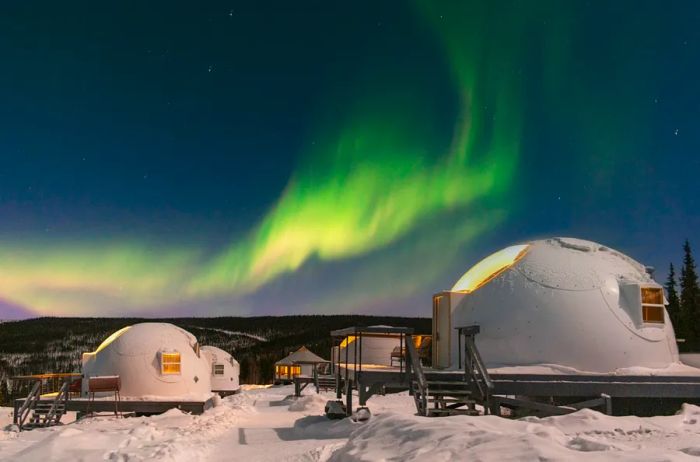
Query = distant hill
x=56 y=344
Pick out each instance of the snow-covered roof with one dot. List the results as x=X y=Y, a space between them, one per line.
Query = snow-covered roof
x=302 y=355
x=563 y=301
x=218 y=353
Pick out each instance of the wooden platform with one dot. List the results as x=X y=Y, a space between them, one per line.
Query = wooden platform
x=372 y=379
x=83 y=405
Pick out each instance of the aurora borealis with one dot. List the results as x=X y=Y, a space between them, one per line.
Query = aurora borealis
x=232 y=159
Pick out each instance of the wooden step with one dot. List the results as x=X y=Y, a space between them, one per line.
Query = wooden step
x=432 y=399
x=446 y=382
x=450 y=392
x=449 y=412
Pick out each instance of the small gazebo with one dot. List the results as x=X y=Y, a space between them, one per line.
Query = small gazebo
x=301 y=362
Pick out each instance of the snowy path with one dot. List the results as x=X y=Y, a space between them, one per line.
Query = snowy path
x=277 y=429
x=264 y=424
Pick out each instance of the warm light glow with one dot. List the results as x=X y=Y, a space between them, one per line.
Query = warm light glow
x=652 y=296
x=170 y=363
x=489 y=268
x=289 y=371
x=347 y=341
x=653 y=314
x=107 y=341
x=652 y=305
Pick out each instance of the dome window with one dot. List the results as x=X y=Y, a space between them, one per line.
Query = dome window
x=489 y=268
x=218 y=369
x=170 y=363
x=652 y=305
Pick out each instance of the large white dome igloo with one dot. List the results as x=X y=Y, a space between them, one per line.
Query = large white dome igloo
x=565 y=302
x=152 y=360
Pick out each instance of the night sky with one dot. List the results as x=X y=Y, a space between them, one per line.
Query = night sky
x=246 y=158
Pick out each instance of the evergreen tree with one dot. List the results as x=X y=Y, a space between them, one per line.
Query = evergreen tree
x=674 y=303
x=690 y=298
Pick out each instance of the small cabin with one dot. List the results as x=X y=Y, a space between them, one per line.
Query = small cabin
x=301 y=362
x=225 y=371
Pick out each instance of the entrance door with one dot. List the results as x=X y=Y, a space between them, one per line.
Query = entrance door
x=442 y=327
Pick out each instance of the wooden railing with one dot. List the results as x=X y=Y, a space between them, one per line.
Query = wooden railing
x=415 y=365
x=61 y=398
x=28 y=405
x=474 y=367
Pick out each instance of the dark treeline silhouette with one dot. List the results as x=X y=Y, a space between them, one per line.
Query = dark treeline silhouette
x=684 y=305
x=56 y=344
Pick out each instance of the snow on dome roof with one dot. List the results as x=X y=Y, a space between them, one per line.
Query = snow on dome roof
x=218 y=353
x=576 y=264
x=145 y=336
x=564 y=301
x=561 y=262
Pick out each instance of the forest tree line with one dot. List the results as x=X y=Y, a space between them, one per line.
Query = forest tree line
x=683 y=296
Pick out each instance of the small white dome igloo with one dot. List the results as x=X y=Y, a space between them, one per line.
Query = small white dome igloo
x=561 y=301
x=151 y=359
x=225 y=370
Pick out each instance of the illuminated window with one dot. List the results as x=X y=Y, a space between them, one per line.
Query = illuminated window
x=652 y=305
x=170 y=363
x=218 y=369
x=489 y=268
x=652 y=296
x=295 y=370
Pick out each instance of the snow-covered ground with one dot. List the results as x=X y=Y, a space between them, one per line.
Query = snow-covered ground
x=265 y=424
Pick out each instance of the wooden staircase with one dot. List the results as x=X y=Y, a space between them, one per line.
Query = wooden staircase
x=440 y=398
x=325 y=382
x=434 y=397
x=42 y=412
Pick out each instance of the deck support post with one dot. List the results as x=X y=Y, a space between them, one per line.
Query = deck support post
x=348 y=398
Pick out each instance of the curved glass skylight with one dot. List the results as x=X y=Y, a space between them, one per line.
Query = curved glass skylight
x=489 y=268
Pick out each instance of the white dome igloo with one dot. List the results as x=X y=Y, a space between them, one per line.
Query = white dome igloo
x=151 y=359
x=567 y=302
x=225 y=370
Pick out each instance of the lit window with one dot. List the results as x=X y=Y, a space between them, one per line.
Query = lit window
x=652 y=296
x=652 y=305
x=170 y=363
x=218 y=369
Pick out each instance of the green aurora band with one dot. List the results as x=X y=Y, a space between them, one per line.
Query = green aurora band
x=369 y=183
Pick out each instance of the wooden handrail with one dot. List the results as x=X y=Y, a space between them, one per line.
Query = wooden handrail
x=474 y=366
x=62 y=396
x=414 y=363
x=28 y=404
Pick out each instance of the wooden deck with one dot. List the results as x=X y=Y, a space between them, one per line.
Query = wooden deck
x=631 y=386
x=372 y=379
x=83 y=405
